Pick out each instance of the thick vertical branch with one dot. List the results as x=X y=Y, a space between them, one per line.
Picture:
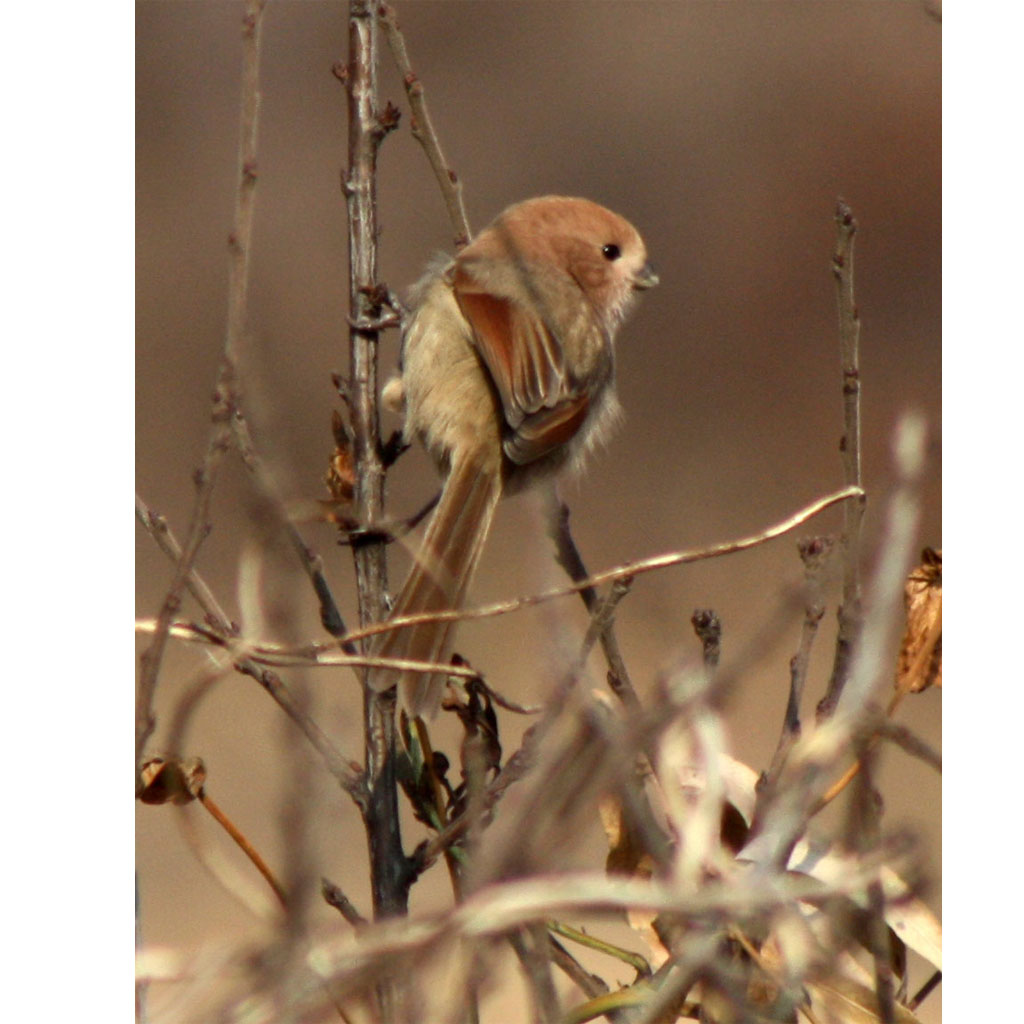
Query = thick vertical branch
x=388 y=865
x=850 y=611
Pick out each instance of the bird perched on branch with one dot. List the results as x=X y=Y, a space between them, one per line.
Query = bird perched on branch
x=506 y=377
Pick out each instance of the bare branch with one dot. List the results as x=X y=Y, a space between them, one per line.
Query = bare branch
x=850 y=613
x=224 y=401
x=157 y=527
x=390 y=869
x=531 y=947
x=311 y=655
x=814 y=553
x=423 y=128
x=591 y=985
x=223 y=633
x=334 y=897
x=569 y=558
x=629 y=569
x=330 y=616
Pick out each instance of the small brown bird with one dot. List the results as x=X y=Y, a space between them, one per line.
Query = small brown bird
x=507 y=377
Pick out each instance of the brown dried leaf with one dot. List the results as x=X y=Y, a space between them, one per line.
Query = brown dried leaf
x=627 y=856
x=763 y=986
x=171 y=780
x=626 y=853
x=341 y=475
x=920 y=659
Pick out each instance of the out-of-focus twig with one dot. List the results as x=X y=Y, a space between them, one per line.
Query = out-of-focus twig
x=224 y=633
x=870 y=664
x=532 y=948
x=334 y=897
x=925 y=990
x=863 y=827
x=791 y=803
x=423 y=128
x=920 y=659
x=635 y=960
x=330 y=616
x=501 y=907
x=225 y=397
x=591 y=985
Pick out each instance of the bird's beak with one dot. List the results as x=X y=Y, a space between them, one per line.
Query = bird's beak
x=645 y=278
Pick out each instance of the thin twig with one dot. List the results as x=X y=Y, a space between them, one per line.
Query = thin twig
x=783 y=816
x=531 y=947
x=223 y=633
x=612 y=1005
x=582 y=938
x=591 y=985
x=308 y=655
x=621 y=572
x=569 y=558
x=157 y=527
x=330 y=616
x=244 y=845
x=334 y=897
x=514 y=769
x=602 y=627
x=850 y=612
x=925 y=990
x=910 y=744
x=862 y=834
x=423 y=128
x=814 y=553
x=225 y=399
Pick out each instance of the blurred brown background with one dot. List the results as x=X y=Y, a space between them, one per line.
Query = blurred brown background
x=725 y=132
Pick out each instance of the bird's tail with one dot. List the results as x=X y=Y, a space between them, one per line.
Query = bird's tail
x=437 y=582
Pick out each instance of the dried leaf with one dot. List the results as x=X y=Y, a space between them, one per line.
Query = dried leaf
x=626 y=853
x=909 y=917
x=627 y=856
x=341 y=477
x=844 y=1001
x=920 y=658
x=171 y=780
x=476 y=713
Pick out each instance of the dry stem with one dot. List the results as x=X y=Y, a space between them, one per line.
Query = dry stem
x=850 y=613
x=423 y=128
x=621 y=572
x=224 y=633
x=390 y=874
x=569 y=558
x=225 y=398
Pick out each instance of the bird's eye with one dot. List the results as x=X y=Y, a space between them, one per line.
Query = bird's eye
x=611 y=252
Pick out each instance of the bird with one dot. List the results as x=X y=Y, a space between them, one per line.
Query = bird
x=507 y=377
